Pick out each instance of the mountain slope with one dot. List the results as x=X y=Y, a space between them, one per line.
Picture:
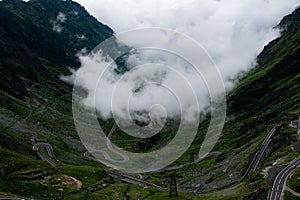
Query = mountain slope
x=36 y=104
x=267 y=95
x=38 y=42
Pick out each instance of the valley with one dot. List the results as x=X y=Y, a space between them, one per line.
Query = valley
x=42 y=156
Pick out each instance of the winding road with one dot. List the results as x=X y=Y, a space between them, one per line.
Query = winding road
x=50 y=152
x=279 y=184
x=252 y=167
x=255 y=161
x=131 y=180
x=259 y=154
x=187 y=164
x=125 y=158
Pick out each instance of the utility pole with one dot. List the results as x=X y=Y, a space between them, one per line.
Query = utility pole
x=173 y=186
x=192 y=159
x=126 y=195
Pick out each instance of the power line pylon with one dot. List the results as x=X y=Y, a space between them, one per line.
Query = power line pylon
x=192 y=159
x=173 y=186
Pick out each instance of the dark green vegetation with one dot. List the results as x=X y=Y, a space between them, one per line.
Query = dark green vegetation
x=267 y=95
x=36 y=105
x=32 y=51
x=294 y=182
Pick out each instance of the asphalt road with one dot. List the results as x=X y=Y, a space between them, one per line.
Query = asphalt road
x=255 y=161
x=252 y=167
x=50 y=152
x=187 y=164
x=259 y=154
x=109 y=145
x=131 y=180
x=278 y=187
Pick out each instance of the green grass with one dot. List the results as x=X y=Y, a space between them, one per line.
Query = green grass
x=294 y=181
x=265 y=96
x=290 y=196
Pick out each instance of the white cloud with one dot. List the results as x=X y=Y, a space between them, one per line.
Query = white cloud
x=81 y=36
x=232 y=31
x=57 y=24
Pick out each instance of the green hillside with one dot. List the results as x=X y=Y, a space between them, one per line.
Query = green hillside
x=36 y=107
x=31 y=49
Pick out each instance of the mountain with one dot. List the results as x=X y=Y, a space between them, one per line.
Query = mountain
x=39 y=41
x=266 y=96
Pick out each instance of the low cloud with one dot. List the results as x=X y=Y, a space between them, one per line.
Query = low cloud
x=232 y=32
x=57 y=24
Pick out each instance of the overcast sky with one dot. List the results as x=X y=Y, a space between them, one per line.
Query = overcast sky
x=232 y=31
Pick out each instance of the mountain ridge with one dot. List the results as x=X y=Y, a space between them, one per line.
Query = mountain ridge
x=36 y=108
x=27 y=38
